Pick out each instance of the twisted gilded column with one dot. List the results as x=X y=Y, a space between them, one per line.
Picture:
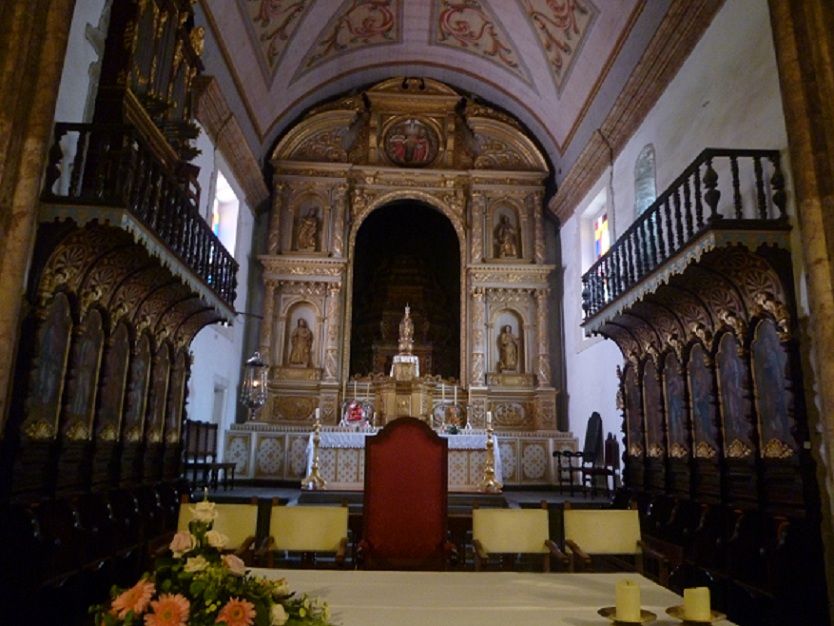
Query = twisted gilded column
x=331 y=352
x=339 y=201
x=265 y=344
x=535 y=203
x=478 y=314
x=274 y=237
x=477 y=226
x=543 y=348
x=32 y=51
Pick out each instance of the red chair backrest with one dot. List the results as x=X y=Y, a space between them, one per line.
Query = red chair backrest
x=404 y=515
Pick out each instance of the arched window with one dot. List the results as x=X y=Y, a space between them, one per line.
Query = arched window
x=224 y=213
x=645 y=188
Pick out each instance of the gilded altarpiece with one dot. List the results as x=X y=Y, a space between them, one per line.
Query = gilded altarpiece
x=408 y=140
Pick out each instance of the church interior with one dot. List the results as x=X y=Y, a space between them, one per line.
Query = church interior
x=423 y=261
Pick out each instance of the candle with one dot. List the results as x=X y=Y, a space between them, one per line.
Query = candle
x=442 y=392
x=696 y=604
x=367 y=391
x=628 y=601
x=489 y=419
x=354 y=390
x=456 y=394
x=318 y=414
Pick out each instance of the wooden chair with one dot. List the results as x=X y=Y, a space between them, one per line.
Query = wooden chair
x=568 y=470
x=405 y=499
x=309 y=530
x=239 y=522
x=509 y=532
x=609 y=533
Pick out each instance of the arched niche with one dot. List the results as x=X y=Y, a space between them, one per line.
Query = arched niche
x=508 y=331
x=395 y=263
x=702 y=403
x=301 y=335
x=158 y=393
x=506 y=232
x=633 y=412
x=308 y=222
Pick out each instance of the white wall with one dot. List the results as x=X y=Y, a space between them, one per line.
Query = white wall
x=218 y=350
x=726 y=95
x=81 y=54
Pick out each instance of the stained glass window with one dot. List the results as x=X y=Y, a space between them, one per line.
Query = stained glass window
x=602 y=236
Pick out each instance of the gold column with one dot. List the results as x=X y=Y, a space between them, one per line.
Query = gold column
x=274 y=236
x=543 y=357
x=535 y=203
x=339 y=200
x=477 y=378
x=331 y=359
x=476 y=228
x=267 y=322
x=803 y=33
x=32 y=50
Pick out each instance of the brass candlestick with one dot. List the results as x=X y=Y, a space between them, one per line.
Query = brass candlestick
x=314 y=479
x=489 y=484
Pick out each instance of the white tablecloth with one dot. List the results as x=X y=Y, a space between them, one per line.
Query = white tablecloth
x=360 y=598
x=462 y=441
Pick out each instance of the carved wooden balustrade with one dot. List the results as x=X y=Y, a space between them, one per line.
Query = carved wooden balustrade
x=110 y=166
x=690 y=207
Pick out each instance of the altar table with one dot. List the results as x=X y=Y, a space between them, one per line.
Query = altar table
x=376 y=598
x=342 y=459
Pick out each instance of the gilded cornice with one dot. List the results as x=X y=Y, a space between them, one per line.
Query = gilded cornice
x=299 y=267
x=515 y=276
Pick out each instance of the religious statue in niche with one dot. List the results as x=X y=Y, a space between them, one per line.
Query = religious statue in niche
x=507 y=350
x=308 y=230
x=301 y=345
x=411 y=142
x=505 y=239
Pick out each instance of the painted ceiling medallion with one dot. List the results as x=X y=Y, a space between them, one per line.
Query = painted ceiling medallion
x=470 y=25
x=562 y=27
x=272 y=24
x=411 y=142
x=357 y=24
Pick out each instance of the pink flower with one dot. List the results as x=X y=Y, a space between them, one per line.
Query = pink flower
x=169 y=610
x=237 y=613
x=235 y=564
x=182 y=542
x=134 y=599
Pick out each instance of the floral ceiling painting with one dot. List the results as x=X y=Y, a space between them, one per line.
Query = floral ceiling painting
x=470 y=25
x=272 y=25
x=561 y=26
x=357 y=24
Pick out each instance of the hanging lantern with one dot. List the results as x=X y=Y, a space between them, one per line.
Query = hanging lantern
x=253 y=387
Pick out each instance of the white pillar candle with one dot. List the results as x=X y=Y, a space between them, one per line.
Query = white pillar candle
x=354 y=390
x=442 y=392
x=696 y=606
x=489 y=419
x=318 y=414
x=628 y=601
x=456 y=394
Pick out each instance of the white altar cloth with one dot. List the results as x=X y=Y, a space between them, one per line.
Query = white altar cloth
x=467 y=440
x=375 y=598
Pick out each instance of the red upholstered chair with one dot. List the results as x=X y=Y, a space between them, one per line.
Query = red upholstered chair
x=404 y=514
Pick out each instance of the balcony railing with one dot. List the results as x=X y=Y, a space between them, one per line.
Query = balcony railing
x=110 y=166
x=685 y=211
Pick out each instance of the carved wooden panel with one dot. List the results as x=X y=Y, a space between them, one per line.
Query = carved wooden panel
x=158 y=394
x=653 y=411
x=702 y=404
x=47 y=376
x=773 y=397
x=83 y=378
x=140 y=367
x=734 y=399
x=634 y=413
x=675 y=403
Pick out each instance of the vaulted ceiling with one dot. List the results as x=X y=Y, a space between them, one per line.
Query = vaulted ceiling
x=551 y=63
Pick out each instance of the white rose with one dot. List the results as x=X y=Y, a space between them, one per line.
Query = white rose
x=216 y=539
x=196 y=564
x=204 y=512
x=182 y=542
x=235 y=564
x=279 y=615
x=280 y=587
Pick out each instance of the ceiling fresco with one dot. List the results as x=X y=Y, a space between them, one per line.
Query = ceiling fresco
x=542 y=60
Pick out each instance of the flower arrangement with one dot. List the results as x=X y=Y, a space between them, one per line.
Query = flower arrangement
x=197 y=585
